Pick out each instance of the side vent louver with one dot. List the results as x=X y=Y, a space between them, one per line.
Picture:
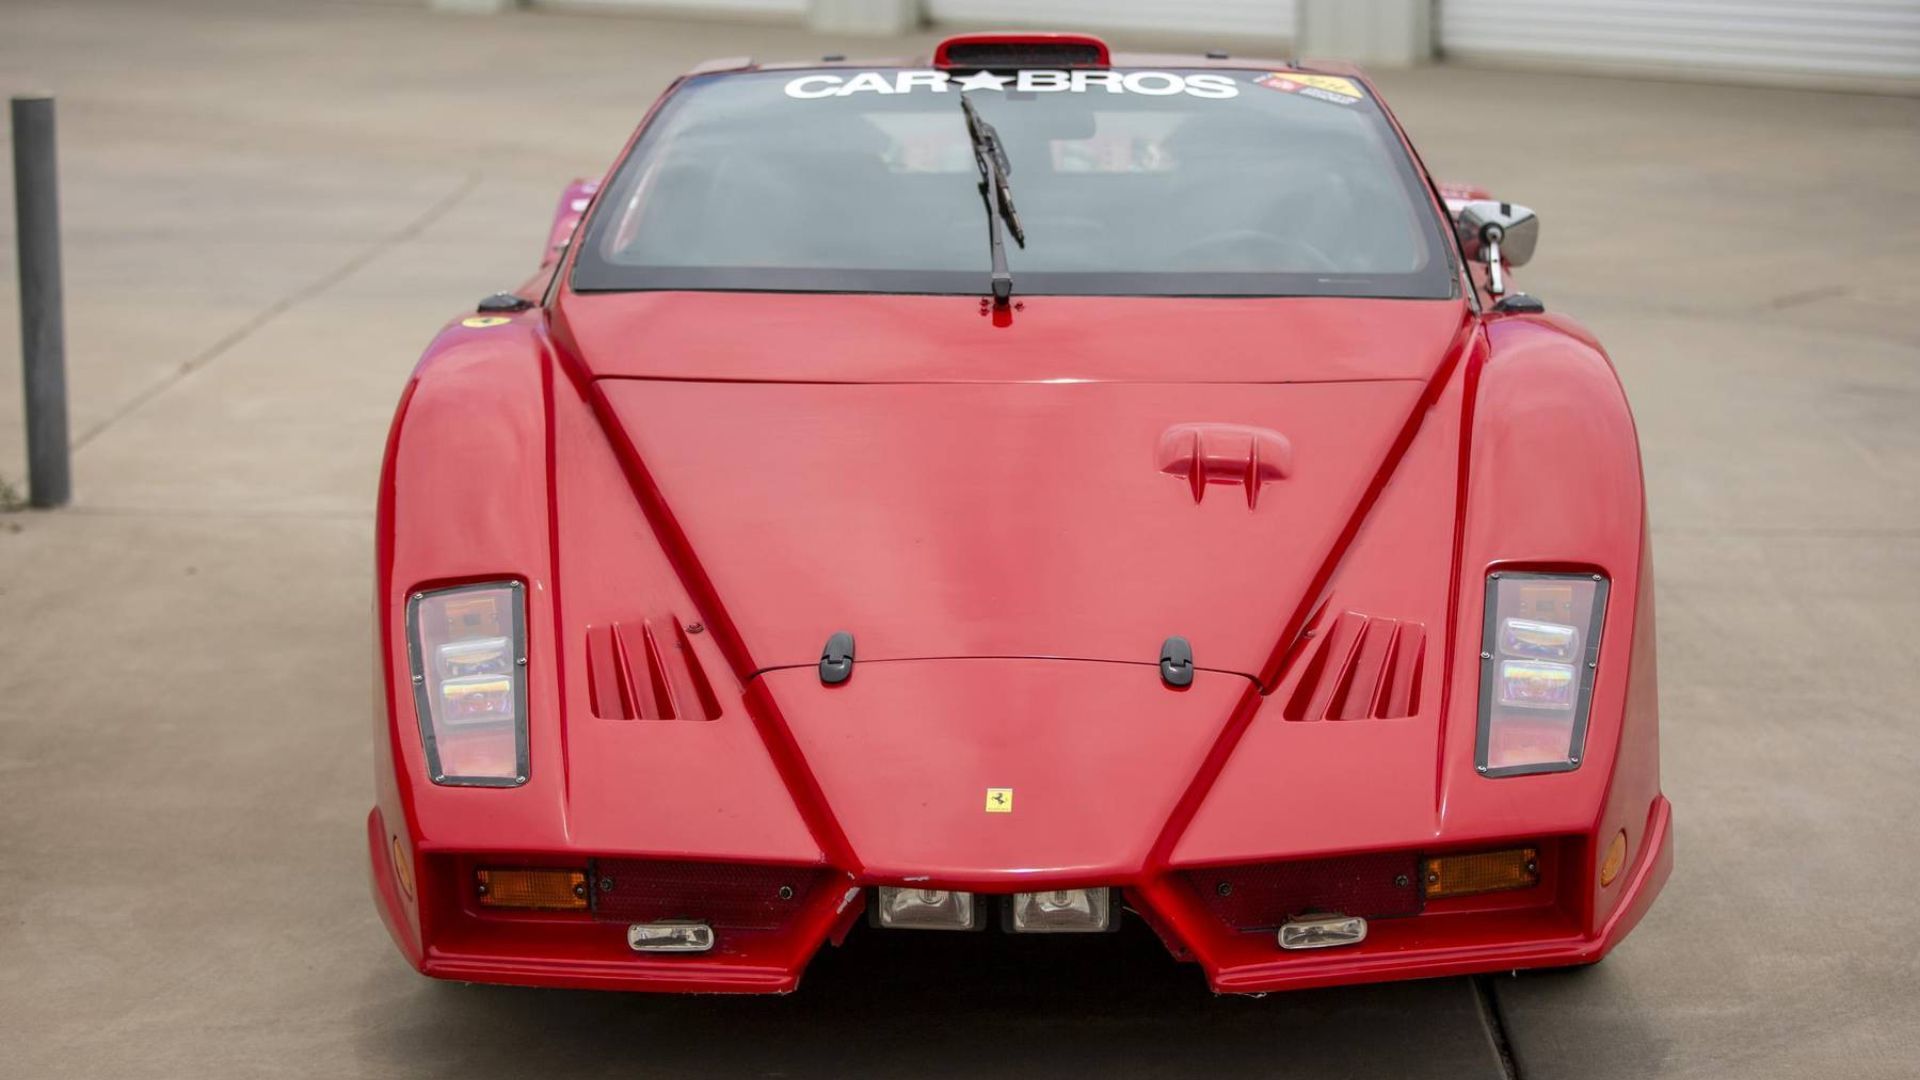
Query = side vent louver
x=1366 y=668
x=633 y=675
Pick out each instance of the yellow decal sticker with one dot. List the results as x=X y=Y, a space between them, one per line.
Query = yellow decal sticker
x=1321 y=87
x=999 y=800
x=481 y=322
x=1333 y=83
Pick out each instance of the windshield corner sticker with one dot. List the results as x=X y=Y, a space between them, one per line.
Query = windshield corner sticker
x=1032 y=81
x=1320 y=87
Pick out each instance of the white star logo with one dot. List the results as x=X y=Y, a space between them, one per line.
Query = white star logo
x=982 y=80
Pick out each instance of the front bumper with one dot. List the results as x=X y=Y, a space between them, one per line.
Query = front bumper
x=1463 y=943
x=456 y=942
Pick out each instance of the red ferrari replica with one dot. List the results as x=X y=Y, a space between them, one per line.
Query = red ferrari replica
x=1015 y=490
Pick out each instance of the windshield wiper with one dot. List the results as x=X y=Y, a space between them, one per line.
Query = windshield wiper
x=991 y=155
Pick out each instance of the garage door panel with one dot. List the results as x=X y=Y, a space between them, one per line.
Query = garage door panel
x=784 y=9
x=1230 y=18
x=1849 y=38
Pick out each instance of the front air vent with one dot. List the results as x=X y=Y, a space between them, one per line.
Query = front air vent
x=633 y=674
x=1366 y=668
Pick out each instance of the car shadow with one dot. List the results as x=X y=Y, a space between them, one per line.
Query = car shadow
x=930 y=1005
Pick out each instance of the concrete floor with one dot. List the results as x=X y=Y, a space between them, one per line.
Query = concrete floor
x=269 y=207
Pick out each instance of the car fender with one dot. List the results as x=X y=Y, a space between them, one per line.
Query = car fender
x=1552 y=479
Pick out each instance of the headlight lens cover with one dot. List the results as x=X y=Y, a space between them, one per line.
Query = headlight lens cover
x=467 y=646
x=1540 y=648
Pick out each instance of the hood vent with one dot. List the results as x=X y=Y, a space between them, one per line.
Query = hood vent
x=1367 y=668
x=633 y=675
x=1205 y=454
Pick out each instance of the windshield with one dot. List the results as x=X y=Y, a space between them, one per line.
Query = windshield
x=1129 y=182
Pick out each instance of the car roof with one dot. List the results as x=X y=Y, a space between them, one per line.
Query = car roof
x=1119 y=59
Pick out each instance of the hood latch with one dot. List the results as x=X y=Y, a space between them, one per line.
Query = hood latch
x=1176 y=662
x=836 y=660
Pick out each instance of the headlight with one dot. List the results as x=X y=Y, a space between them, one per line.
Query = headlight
x=1538 y=653
x=468 y=648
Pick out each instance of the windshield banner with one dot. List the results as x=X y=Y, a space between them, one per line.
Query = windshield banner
x=1150 y=83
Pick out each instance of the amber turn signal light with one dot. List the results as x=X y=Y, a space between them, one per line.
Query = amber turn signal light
x=402 y=868
x=1615 y=859
x=1480 y=872
x=534 y=888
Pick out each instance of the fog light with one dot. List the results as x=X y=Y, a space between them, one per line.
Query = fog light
x=1062 y=911
x=539 y=889
x=1481 y=872
x=925 y=909
x=1323 y=932
x=672 y=936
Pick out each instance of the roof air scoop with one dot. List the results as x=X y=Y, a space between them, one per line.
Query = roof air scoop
x=1011 y=52
x=1225 y=454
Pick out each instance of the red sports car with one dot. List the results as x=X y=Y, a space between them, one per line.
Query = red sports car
x=1015 y=490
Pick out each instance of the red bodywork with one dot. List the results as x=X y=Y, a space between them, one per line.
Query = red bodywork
x=1011 y=512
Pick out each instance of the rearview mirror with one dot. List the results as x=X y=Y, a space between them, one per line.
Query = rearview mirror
x=1497 y=232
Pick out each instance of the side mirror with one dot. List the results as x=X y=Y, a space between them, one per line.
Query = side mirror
x=566 y=218
x=1495 y=233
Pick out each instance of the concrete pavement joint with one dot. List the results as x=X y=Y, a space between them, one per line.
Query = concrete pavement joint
x=1790 y=532
x=1807 y=296
x=285 y=304
x=212 y=513
x=1495 y=1027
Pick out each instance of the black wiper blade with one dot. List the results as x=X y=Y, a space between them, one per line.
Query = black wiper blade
x=991 y=156
x=989 y=150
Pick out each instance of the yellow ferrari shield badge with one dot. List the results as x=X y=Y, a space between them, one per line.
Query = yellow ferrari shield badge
x=999 y=800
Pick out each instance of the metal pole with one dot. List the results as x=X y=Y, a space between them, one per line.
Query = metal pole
x=43 y=336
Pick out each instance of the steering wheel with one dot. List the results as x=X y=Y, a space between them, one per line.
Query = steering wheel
x=1259 y=250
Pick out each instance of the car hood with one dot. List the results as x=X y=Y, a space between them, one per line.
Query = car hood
x=1078 y=478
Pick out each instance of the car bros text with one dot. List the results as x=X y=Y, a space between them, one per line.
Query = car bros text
x=1152 y=83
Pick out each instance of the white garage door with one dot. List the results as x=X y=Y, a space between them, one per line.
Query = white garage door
x=1834 y=40
x=1227 y=18
x=784 y=9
